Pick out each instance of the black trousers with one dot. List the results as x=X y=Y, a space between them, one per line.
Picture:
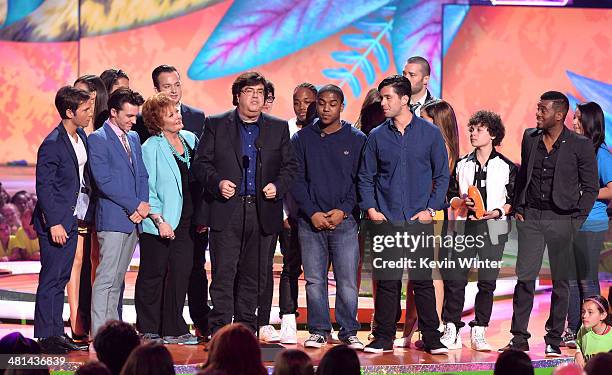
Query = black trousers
x=456 y=277
x=388 y=295
x=197 y=292
x=240 y=266
x=265 y=306
x=163 y=278
x=84 y=308
x=292 y=269
x=543 y=228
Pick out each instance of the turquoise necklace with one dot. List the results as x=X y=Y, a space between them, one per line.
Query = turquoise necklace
x=185 y=159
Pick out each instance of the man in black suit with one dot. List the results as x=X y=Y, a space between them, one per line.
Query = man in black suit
x=166 y=79
x=246 y=164
x=555 y=189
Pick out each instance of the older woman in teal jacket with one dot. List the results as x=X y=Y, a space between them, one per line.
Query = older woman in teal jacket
x=167 y=244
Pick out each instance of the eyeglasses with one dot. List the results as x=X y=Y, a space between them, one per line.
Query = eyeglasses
x=251 y=91
x=270 y=99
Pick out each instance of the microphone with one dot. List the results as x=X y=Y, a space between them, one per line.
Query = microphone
x=258 y=144
x=246 y=162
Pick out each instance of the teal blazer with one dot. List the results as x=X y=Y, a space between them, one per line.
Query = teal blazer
x=165 y=187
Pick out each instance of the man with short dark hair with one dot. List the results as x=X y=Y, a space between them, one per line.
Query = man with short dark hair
x=417 y=70
x=329 y=149
x=556 y=187
x=246 y=164
x=60 y=184
x=167 y=79
x=267 y=108
x=122 y=182
x=114 y=343
x=404 y=177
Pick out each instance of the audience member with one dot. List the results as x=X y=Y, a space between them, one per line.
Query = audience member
x=293 y=362
x=339 y=360
x=151 y=359
x=600 y=364
x=114 y=343
x=26 y=238
x=11 y=216
x=513 y=362
x=21 y=200
x=8 y=242
x=568 y=369
x=93 y=368
x=234 y=351
x=16 y=343
x=4 y=196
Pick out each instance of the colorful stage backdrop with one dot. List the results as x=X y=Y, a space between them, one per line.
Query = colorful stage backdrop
x=500 y=58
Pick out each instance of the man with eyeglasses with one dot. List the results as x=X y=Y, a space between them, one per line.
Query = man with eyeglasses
x=246 y=164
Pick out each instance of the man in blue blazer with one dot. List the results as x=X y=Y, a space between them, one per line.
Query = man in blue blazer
x=60 y=170
x=123 y=194
x=166 y=79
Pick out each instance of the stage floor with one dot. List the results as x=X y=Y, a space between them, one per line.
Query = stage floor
x=401 y=361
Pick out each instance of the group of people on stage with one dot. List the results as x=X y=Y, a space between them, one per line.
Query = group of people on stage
x=241 y=179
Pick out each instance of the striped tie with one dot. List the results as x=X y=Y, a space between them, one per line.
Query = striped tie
x=127 y=147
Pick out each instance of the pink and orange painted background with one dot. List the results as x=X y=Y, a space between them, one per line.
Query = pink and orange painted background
x=498 y=58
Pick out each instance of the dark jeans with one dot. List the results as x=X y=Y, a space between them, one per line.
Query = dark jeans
x=163 y=278
x=456 y=278
x=240 y=265
x=197 y=293
x=587 y=248
x=543 y=228
x=388 y=294
x=341 y=247
x=56 y=265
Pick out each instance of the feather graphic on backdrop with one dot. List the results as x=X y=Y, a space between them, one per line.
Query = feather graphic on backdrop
x=417 y=30
x=375 y=27
x=58 y=20
x=594 y=91
x=254 y=33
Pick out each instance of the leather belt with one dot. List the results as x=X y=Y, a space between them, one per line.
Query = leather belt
x=250 y=199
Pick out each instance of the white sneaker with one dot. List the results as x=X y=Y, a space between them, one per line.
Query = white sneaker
x=451 y=337
x=268 y=334
x=402 y=342
x=478 y=339
x=288 y=331
x=333 y=338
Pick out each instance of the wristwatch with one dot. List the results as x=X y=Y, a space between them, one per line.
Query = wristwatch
x=158 y=221
x=431 y=211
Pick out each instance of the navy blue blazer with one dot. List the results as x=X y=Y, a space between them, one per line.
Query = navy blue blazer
x=57 y=181
x=193 y=121
x=121 y=185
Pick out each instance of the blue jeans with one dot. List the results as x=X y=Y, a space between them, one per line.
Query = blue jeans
x=342 y=248
x=587 y=247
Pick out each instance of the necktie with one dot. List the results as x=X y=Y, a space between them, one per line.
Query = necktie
x=127 y=147
x=413 y=107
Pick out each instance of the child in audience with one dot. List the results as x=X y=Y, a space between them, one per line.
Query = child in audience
x=27 y=239
x=595 y=335
x=8 y=242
